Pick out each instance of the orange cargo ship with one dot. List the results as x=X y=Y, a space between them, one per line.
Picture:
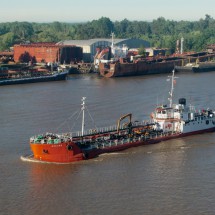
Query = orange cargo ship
x=69 y=147
x=167 y=122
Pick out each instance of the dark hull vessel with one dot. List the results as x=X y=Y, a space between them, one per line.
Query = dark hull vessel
x=27 y=80
x=204 y=67
x=187 y=68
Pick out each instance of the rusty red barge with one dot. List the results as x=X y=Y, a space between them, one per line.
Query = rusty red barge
x=116 y=62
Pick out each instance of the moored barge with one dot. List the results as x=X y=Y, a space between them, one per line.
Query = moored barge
x=117 y=62
x=56 y=76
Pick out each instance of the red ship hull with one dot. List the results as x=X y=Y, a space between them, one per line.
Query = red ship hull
x=69 y=152
x=59 y=153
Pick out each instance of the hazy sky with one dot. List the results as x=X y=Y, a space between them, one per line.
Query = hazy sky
x=88 y=10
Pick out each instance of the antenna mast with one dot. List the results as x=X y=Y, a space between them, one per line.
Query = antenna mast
x=83 y=121
x=112 y=37
x=182 y=45
x=172 y=87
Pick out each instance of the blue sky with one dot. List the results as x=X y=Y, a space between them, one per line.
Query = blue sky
x=116 y=10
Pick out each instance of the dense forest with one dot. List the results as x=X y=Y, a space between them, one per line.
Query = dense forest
x=159 y=32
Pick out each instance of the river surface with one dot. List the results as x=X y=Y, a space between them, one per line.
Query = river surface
x=173 y=177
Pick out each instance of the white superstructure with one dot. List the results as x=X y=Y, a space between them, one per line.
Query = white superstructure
x=181 y=118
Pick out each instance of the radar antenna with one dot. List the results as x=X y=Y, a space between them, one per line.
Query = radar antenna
x=173 y=81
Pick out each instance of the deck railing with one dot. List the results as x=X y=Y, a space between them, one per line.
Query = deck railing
x=107 y=129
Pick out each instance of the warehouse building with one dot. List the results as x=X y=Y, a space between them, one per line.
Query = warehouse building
x=90 y=46
x=47 y=52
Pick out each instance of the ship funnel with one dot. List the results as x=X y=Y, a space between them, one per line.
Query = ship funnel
x=182 y=101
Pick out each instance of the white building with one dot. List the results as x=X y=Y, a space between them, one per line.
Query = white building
x=89 y=46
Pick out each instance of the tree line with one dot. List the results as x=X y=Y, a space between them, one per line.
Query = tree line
x=159 y=32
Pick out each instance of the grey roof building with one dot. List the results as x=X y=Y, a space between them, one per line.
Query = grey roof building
x=89 y=46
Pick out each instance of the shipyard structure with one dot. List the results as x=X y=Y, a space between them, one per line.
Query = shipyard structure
x=90 y=47
x=47 y=52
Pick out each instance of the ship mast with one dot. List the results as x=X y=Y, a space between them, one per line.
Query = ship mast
x=172 y=87
x=112 y=39
x=83 y=121
x=182 y=45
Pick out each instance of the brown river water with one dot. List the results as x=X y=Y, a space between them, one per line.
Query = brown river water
x=173 y=177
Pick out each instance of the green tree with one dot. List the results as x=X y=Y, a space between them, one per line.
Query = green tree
x=7 y=40
x=160 y=32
